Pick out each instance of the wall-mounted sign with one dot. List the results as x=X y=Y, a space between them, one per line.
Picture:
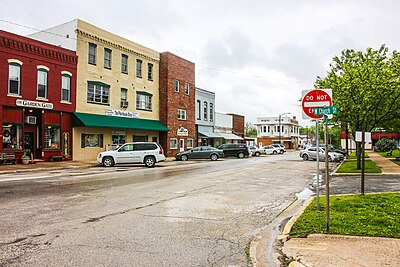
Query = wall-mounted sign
x=122 y=113
x=33 y=104
x=182 y=132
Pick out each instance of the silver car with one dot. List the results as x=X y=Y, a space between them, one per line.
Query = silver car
x=311 y=154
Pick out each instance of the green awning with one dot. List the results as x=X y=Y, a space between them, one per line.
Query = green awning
x=103 y=121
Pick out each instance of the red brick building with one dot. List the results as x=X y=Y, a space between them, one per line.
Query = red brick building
x=177 y=103
x=237 y=124
x=37 y=98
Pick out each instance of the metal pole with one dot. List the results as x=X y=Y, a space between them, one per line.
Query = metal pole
x=362 y=162
x=279 y=128
x=317 y=137
x=327 y=176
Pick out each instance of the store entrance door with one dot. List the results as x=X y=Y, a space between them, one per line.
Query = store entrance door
x=29 y=144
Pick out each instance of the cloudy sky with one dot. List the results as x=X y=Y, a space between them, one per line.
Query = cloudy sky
x=256 y=55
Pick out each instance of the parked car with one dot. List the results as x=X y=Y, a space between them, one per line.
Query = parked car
x=311 y=154
x=236 y=150
x=148 y=153
x=280 y=147
x=201 y=152
x=255 y=151
x=332 y=148
x=271 y=150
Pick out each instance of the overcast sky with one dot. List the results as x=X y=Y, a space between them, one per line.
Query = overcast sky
x=257 y=56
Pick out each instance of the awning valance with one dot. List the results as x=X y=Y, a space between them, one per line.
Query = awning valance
x=210 y=135
x=230 y=136
x=103 y=121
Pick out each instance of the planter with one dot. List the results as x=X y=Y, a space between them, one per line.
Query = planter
x=25 y=160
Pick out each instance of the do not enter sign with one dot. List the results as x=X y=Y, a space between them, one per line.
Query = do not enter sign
x=315 y=99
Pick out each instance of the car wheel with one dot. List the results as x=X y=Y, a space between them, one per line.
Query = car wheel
x=274 y=152
x=108 y=161
x=184 y=157
x=149 y=161
x=214 y=157
x=282 y=151
x=305 y=157
x=257 y=154
x=240 y=155
x=329 y=159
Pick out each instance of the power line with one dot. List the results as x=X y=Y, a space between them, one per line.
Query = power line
x=253 y=75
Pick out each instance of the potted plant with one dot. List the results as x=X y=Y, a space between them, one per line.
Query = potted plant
x=25 y=159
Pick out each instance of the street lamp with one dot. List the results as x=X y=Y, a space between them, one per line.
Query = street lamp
x=280 y=129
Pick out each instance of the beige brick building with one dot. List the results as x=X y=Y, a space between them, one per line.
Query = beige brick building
x=117 y=88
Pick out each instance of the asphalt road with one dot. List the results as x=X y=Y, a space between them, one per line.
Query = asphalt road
x=187 y=214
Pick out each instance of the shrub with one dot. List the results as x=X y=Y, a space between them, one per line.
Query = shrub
x=385 y=144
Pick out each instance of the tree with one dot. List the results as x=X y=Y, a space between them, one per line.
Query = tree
x=250 y=130
x=366 y=89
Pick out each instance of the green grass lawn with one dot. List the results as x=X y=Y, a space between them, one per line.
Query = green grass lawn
x=350 y=166
x=395 y=153
x=357 y=215
x=353 y=155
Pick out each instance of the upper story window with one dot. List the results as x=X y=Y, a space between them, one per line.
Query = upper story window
x=187 y=88
x=124 y=94
x=139 y=68
x=66 y=86
x=181 y=114
x=143 y=101
x=198 y=109
x=211 y=112
x=124 y=63
x=205 y=111
x=149 y=71
x=14 y=78
x=42 y=82
x=92 y=53
x=98 y=93
x=176 y=86
x=107 y=58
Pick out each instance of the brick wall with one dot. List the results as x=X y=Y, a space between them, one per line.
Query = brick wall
x=238 y=124
x=174 y=68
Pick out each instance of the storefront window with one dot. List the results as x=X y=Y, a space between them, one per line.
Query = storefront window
x=118 y=138
x=12 y=134
x=52 y=137
x=92 y=140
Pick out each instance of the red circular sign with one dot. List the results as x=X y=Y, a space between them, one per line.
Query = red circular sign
x=315 y=99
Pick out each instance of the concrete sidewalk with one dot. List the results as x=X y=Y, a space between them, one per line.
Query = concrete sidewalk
x=385 y=164
x=55 y=165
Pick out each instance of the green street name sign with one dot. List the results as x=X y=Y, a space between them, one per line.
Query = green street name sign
x=326 y=111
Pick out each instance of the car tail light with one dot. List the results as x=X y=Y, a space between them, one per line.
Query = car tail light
x=99 y=156
x=160 y=152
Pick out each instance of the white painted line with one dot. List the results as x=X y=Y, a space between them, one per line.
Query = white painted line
x=317 y=104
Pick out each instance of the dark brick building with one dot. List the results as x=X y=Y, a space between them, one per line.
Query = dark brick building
x=37 y=97
x=177 y=103
x=237 y=124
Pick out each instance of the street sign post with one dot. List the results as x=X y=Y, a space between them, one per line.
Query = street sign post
x=332 y=110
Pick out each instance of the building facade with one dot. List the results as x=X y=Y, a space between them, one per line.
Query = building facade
x=177 y=103
x=237 y=124
x=223 y=128
x=285 y=130
x=117 y=88
x=205 y=117
x=38 y=94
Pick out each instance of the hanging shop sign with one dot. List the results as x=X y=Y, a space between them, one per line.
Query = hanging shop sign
x=182 y=132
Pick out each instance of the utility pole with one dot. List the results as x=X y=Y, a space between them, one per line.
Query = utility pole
x=317 y=139
x=327 y=219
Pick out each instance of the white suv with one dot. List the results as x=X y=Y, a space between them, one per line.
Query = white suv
x=138 y=152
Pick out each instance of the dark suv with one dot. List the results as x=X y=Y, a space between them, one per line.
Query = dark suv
x=236 y=150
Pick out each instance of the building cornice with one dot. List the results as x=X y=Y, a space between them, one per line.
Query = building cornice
x=33 y=49
x=115 y=45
